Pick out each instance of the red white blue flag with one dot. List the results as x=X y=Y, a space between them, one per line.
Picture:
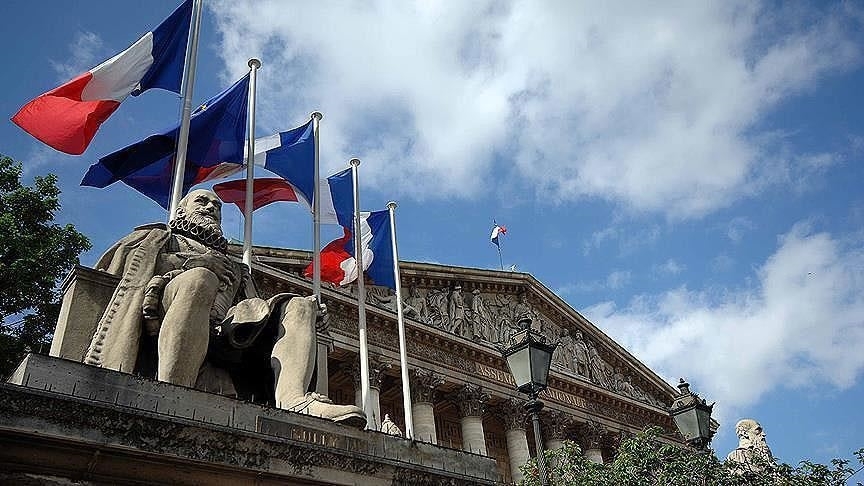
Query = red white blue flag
x=496 y=232
x=67 y=117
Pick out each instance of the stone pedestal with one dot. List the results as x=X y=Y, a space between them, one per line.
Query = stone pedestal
x=86 y=293
x=423 y=385
x=63 y=422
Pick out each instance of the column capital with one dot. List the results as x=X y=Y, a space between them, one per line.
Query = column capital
x=512 y=412
x=592 y=435
x=471 y=400
x=423 y=384
x=557 y=425
x=377 y=366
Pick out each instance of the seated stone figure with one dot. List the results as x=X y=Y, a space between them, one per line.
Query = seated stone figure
x=187 y=314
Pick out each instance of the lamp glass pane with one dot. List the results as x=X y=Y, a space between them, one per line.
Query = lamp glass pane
x=520 y=366
x=688 y=424
x=540 y=362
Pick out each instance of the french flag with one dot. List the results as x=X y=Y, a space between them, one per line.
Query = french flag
x=338 y=265
x=67 y=117
x=266 y=190
x=217 y=136
x=496 y=232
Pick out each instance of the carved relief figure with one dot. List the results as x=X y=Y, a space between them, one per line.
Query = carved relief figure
x=580 y=354
x=597 y=367
x=482 y=319
x=415 y=305
x=437 y=300
x=202 y=319
x=522 y=308
x=564 y=353
x=456 y=311
x=752 y=445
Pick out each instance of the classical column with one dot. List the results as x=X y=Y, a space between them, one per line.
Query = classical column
x=423 y=384
x=471 y=401
x=377 y=366
x=556 y=427
x=322 y=374
x=592 y=435
x=513 y=414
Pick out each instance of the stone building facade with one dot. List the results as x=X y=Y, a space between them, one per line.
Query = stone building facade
x=462 y=393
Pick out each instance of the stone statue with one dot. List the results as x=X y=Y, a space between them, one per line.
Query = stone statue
x=189 y=315
x=598 y=367
x=752 y=446
x=483 y=324
x=580 y=352
x=522 y=308
x=563 y=355
x=456 y=311
x=415 y=306
x=390 y=427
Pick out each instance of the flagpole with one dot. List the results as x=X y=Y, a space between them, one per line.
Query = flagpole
x=186 y=111
x=361 y=302
x=316 y=213
x=403 y=354
x=500 y=260
x=254 y=64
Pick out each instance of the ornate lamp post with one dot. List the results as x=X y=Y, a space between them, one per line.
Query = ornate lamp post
x=529 y=356
x=692 y=416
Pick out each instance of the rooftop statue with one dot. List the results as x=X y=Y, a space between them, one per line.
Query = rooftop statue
x=189 y=315
x=752 y=446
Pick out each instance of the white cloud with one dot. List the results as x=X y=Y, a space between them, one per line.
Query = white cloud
x=738 y=227
x=653 y=106
x=85 y=52
x=800 y=325
x=670 y=267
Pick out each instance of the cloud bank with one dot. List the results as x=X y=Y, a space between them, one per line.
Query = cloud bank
x=656 y=107
x=800 y=325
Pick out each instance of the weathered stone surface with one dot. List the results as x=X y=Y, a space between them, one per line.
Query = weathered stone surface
x=66 y=420
x=752 y=445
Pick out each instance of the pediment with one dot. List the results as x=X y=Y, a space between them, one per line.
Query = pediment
x=483 y=306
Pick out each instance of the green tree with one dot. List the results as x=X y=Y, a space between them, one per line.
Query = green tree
x=644 y=460
x=35 y=253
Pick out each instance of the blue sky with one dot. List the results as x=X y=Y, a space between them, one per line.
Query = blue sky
x=687 y=175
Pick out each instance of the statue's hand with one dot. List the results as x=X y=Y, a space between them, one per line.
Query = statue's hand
x=216 y=262
x=322 y=317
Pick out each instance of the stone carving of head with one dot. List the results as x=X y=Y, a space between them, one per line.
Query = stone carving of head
x=201 y=206
x=750 y=434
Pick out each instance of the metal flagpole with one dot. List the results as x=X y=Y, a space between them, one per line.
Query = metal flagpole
x=361 y=302
x=316 y=214
x=500 y=260
x=254 y=64
x=186 y=110
x=403 y=354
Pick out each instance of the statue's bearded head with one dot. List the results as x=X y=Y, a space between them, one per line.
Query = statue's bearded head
x=750 y=434
x=199 y=215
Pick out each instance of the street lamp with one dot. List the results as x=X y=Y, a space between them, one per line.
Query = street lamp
x=529 y=356
x=692 y=416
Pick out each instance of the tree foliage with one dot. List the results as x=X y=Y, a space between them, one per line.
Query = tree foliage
x=644 y=460
x=35 y=253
